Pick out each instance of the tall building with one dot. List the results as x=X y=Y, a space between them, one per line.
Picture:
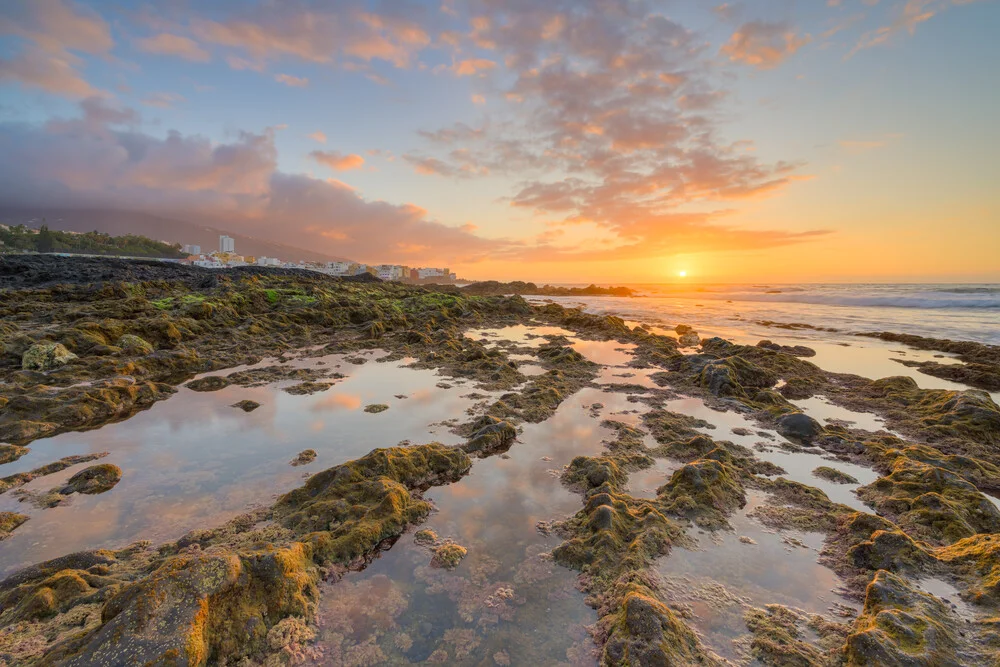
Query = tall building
x=227 y=244
x=192 y=249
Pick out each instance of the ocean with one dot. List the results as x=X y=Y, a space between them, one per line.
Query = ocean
x=959 y=312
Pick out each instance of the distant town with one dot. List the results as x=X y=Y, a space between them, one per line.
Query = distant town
x=24 y=239
x=227 y=256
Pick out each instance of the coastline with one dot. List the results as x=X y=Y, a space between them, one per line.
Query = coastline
x=266 y=569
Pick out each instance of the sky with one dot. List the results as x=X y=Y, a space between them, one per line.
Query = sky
x=565 y=141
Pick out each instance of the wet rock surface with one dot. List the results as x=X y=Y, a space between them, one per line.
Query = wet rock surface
x=248 y=590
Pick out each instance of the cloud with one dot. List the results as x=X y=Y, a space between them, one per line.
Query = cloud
x=905 y=18
x=293 y=81
x=54 y=73
x=763 y=45
x=312 y=33
x=162 y=100
x=338 y=161
x=318 y=137
x=166 y=44
x=472 y=66
x=99 y=160
x=50 y=31
x=610 y=128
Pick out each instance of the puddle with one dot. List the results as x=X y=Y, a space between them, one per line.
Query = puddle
x=819 y=408
x=505 y=600
x=725 y=576
x=798 y=464
x=192 y=460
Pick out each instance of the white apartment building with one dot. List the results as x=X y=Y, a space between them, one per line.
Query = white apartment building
x=341 y=268
x=227 y=244
x=268 y=261
x=192 y=249
x=391 y=271
x=428 y=272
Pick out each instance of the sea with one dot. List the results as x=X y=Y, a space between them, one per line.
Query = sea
x=959 y=312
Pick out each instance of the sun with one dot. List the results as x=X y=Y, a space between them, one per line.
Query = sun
x=682 y=274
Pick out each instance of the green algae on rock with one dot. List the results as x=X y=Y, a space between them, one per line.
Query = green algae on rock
x=376 y=408
x=345 y=512
x=834 y=475
x=21 y=478
x=209 y=383
x=304 y=457
x=132 y=344
x=9 y=521
x=448 y=555
x=902 y=626
x=246 y=405
x=215 y=596
x=46 y=356
x=93 y=480
x=932 y=503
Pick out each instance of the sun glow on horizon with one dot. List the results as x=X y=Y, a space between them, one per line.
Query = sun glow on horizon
x=682 y=274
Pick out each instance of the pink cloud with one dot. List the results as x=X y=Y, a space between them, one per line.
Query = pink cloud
x=52 y=30
x=293 y=81
x=166 y=44
x=97 y=160
x=338 y=161
x=763 y=45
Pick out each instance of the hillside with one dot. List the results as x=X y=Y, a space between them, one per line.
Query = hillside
x=169 y=230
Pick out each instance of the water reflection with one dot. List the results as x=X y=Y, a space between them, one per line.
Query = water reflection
x=730 y=572
x=506 y=602
x=192 y=460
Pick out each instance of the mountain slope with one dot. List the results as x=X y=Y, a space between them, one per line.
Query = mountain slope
x=170 y=230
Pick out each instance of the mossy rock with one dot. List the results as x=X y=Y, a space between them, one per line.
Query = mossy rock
x=448 y=555
x=644 y=631
x=376 y=408
x=978 y=558
x=345 y=512
x=931 y=503
x=46 y=356
x=493 y=436
x=304 y=457
x=246 y=405
x=134 y=345
x=209 y=383
x=588 y=472
x=11 y=453
x=901 y=626
x=705 y=491
x=199 y=609
x=9 y=521
x=834 y=475
x=93 y=480
x=425 y=536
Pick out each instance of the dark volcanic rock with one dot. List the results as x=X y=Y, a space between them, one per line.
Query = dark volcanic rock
x=798 y=426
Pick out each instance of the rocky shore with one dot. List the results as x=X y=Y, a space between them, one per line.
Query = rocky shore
x=91 y=343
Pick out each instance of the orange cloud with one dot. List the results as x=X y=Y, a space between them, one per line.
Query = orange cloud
x=472 y=66
x=763 y=45
x=337 y=161
x=318 y=136
x=167 y=44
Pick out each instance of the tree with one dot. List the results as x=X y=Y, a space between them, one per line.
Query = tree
x=44 y=242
